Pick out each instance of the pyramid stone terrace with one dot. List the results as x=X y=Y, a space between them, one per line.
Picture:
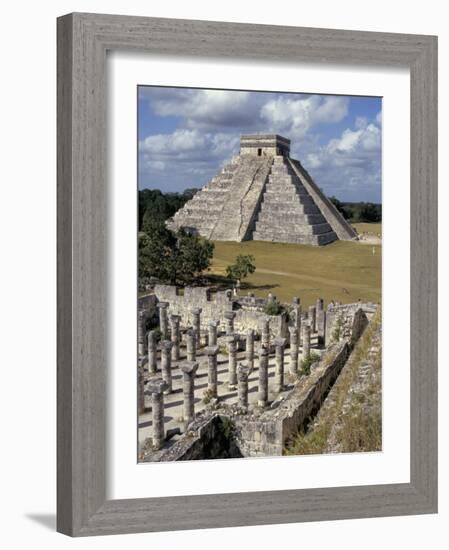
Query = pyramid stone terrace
x=263 y=194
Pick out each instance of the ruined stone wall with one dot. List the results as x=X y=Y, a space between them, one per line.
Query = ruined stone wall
x=148 y=302
x=246 y=319
x=213 y=306
x=268 y=434
x=340 y=319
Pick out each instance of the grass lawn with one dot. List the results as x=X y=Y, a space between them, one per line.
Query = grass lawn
x=371 y=228
x=343 y=271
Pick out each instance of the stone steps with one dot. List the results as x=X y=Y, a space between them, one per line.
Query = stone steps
x=288 y=206
x=279 y=225
x=294 y=238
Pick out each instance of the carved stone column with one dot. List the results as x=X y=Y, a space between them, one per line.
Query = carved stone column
x=141 y=332
x=306 y=341
x=243 y=372
x=212 y=352
x=197 y=325
x=231 y=341
x=229 y=321
x=190 y=345
x=141 y=387
x=175 y=336
x=156 y=388
x=152 y=352
x=293 y=350
x=250 y=348
x=163 y=319
x=262 y=398
x=265 y=340
x=166 y=347
x=279 y=344
x=189 y=369
x=312 y=319
x=212 y=332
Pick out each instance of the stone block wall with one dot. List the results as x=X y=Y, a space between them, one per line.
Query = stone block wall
x=213 y=306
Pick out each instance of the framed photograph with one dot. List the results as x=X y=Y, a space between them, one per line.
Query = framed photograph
x=247 y=334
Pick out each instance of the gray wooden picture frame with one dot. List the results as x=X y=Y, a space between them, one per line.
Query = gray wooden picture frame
x=83 y=40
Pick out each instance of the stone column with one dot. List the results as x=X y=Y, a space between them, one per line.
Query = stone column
x=279 y=372
x=212 y=352
x=296 y=312
x=156 y=389
x=293 y=350
x=190 y=345
x=166 y=347
x=197 y=325
x=229 y=320
x=141 y=390
x=250 y=348
x=312 y=319
x=175 y=336
x=265 y=340
x=163 y=319
x=231 y=341
x=243 y=372
x=321 y=327
x=306 y=342
x=141 y=332
x=189 y=369
x=212 y=332
x=262 y=398
x=152 y=351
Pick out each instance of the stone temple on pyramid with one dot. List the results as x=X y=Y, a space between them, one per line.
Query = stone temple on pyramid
x=263 y=194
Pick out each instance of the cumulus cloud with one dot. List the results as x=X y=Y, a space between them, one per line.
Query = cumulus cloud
x=190 y=157
x=295 y=117
x=350 y=166
x=208 y=125
x=207 y=108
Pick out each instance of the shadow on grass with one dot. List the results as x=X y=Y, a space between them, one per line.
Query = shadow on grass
x=220 y=282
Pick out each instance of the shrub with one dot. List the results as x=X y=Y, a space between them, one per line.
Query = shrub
x=308 y=362
x=273 y=308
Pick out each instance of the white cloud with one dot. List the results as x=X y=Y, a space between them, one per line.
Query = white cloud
x=206 y=108
x=349 y=166
x=184 y=158
x=295 y=117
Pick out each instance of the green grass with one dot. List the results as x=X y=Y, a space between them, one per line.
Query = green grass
x=371 y=228
x=343 y=271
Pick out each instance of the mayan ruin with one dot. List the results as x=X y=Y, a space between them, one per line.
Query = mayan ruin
x=264 y=195
x=259 y=318
x=218 y=378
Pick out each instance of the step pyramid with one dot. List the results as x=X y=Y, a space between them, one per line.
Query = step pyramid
x=263 y=195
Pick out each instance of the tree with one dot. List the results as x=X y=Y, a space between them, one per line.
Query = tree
x=340 y=207
x=156 y=258
x=241 y=268
x=172 y=257
x=193 y=256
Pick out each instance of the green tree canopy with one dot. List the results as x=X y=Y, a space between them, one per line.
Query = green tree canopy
x=242 y=267
x=175 y=258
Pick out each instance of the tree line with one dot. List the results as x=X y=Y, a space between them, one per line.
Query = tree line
x=357 y=212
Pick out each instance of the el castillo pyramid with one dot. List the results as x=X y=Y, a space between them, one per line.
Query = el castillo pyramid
x=263 y=195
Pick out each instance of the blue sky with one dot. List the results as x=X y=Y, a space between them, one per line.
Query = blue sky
x=186 y=135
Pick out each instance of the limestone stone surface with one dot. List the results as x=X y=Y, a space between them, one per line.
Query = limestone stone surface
x=263 y=194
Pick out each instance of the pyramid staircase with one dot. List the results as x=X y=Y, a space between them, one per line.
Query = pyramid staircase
x=265 y=195
x=288 y=213
x=203 y=211
x=225 y=209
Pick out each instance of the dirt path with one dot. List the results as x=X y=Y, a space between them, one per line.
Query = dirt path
x=313 y=278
